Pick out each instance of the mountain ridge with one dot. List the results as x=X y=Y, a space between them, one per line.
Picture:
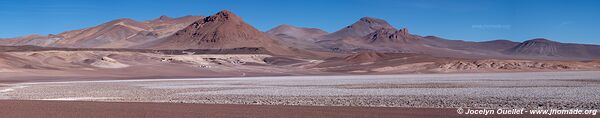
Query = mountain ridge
x=119 y=33
x=227 y=30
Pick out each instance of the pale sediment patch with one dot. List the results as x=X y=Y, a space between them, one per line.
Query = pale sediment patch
x=80 y=98
x=216 y=60
x=4 y=91
x=12 y=89
x=8 y=70
x=106 y=62
x=413 y=85
x=406 y=67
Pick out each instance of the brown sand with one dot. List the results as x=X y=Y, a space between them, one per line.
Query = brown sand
x=54 y=109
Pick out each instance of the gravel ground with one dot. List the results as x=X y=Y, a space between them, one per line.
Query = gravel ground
x=564 y=90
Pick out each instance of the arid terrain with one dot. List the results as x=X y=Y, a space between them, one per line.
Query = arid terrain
x=220 y=59
x=60 y=64
x=562 y=90
x=409 y=95
x=160 y=110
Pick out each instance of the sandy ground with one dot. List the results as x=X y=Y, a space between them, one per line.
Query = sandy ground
x=56 y=109
x=562 y=90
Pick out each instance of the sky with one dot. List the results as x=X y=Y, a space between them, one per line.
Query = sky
x=571 y=21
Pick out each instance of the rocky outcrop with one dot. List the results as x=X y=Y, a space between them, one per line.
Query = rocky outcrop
x=508 y=65
x=391 y=36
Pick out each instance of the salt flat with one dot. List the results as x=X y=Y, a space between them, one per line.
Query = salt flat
x=577 y=89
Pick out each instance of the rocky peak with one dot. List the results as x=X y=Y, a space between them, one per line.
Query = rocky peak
x=224 y=15
x=371 y=20
x=403 y=31
x=221 y=30
x=372 y=23
x=162 y=18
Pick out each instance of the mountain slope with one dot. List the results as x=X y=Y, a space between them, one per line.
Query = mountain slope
x=546 y=48
x=226 y=30
x=297 y=32
x=371 y=34
x=299 y=37
x=383 y=40
x=387 y=36
x=538 y=47
x=360 y=28
x=120 y=33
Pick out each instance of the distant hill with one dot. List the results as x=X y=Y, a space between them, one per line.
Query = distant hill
x=120 y=33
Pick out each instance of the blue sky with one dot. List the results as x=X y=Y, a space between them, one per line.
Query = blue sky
x=575 y=21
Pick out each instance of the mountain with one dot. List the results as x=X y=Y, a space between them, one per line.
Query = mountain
x=28 y=40
x=222 y=30
x=225 y=30
x=350 y=38
x=120 y=33
x=360 y=28
x=468 y=49
x=297 y=32
x=299 y=37
x=371 y=34
x=104 y=35
x=496 y=45
x=538 y=47
x=166 y=26
x=383 y=40
x=493 y=45
x=541 y=47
